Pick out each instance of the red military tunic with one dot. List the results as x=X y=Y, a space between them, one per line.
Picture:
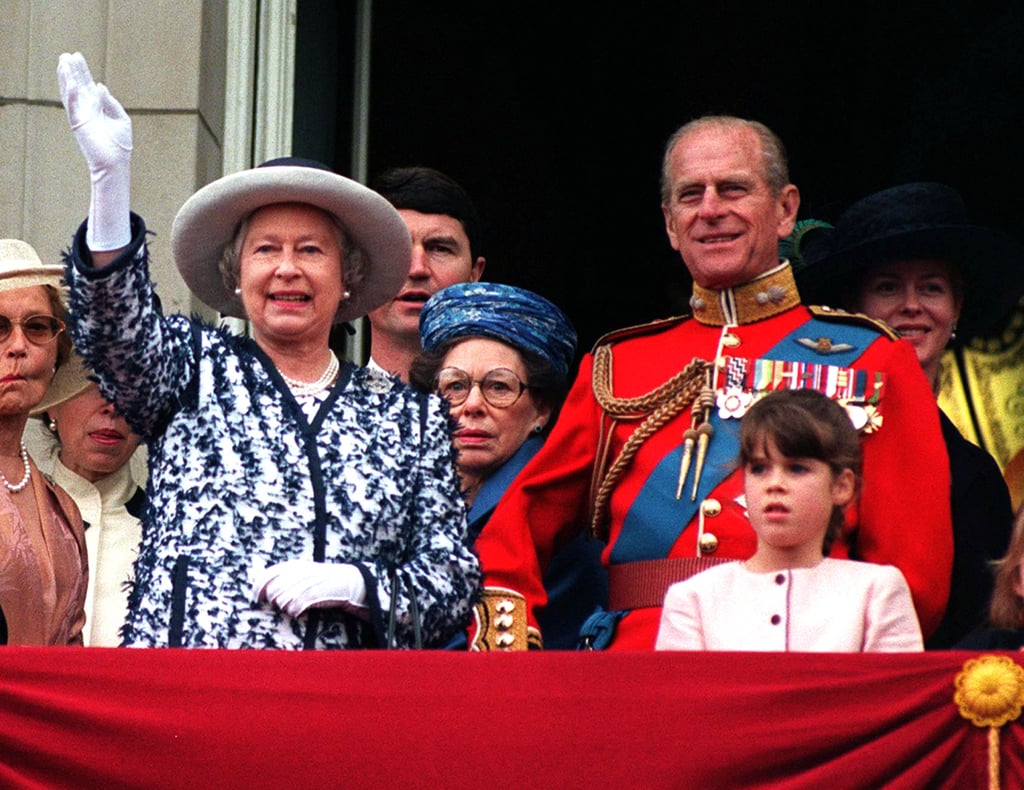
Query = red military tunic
x=761 y=338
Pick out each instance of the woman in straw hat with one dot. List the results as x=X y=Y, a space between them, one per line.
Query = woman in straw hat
x=43 y=567
x=295 y=501
x=910 y=256
x=89 y=450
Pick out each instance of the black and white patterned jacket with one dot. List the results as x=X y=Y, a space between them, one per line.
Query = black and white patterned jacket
x=240 y=479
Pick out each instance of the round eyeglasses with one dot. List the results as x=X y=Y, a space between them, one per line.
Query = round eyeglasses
x=500 y=387
x=37 y=329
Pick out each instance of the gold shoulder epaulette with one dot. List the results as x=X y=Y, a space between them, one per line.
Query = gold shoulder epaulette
x=835 y=314
x=638 y=330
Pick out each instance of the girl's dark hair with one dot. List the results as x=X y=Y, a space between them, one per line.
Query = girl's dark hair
x=804 y=424
x=547 y=386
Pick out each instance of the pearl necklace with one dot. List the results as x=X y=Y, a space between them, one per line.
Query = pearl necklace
x=301 y=388
x=14 y=489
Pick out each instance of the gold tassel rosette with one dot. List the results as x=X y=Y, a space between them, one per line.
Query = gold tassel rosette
x=990 y=693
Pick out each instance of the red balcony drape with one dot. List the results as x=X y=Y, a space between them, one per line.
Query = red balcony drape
x=96 y=717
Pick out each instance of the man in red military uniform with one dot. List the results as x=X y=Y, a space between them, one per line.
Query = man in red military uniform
x=644 y=450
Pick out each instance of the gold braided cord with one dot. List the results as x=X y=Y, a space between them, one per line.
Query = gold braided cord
x=667 y=401
x=993 y=758
x=636 y=407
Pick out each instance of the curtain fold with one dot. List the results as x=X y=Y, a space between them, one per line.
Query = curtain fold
x=169 y=718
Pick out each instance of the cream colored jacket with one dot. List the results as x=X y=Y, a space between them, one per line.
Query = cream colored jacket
x=112 y=534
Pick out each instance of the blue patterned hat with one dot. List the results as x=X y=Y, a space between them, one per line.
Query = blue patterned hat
x=520 y=318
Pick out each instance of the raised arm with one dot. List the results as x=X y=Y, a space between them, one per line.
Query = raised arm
x=103 y=131
x=144 y=362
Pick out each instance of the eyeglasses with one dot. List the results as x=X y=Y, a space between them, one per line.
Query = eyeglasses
x=500 y=387
x=38 y=329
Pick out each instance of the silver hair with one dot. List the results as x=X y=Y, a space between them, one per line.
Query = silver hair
x=775 y=165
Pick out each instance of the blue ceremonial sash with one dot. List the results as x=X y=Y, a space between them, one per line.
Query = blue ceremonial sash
x=656 y=519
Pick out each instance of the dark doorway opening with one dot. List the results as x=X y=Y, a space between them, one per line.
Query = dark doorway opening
x=554 y=118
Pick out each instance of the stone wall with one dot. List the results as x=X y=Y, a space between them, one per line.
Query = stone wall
x=165 y=62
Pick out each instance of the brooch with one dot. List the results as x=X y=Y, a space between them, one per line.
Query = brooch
x=378 y=382
x=824 y=345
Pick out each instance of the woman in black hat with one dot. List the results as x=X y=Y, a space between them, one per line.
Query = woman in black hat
x=910 y=257
x=295 y=501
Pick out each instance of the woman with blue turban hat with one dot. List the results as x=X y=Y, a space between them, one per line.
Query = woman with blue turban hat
x=501 y=356
x=514 y=316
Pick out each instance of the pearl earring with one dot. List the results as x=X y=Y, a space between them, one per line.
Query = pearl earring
x=346 y=295
x=52 y=425
x=238 y=292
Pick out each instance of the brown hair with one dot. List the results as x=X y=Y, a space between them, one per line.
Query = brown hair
x=804 y=424
x=1007 y=607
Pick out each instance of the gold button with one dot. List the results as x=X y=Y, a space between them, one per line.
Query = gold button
x=708 y=543
x=730 y=341
x=710 y=507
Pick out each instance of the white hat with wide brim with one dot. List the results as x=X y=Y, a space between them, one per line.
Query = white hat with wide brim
x=208 y=221
x=20 y=267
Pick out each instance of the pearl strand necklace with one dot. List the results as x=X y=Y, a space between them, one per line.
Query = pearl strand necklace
x=301 y=388
x=14 y=489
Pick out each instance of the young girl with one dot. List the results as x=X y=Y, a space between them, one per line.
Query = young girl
x=801 y=461
x=1006 y=612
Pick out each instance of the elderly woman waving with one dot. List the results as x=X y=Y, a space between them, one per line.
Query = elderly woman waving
x=295 y=501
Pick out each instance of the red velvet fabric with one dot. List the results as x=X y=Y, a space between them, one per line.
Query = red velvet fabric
x=99 y=717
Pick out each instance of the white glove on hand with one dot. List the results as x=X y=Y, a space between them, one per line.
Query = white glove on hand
x=294 y=586
x=104 y=133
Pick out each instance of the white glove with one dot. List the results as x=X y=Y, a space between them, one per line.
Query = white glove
x=104 y=133
x=294 y=586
